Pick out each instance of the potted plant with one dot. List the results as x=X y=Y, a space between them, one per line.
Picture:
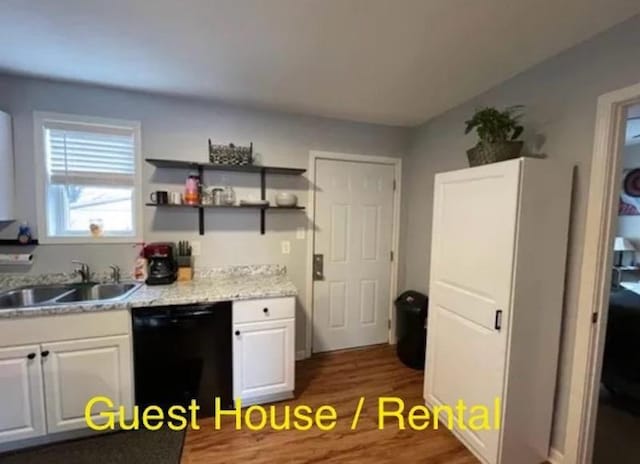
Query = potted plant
x=498 y=131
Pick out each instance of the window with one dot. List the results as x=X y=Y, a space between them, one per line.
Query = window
x=90 y=179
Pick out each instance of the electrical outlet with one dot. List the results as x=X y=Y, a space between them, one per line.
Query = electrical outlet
x=286 y=247
x=195 y=248
x=300 y=231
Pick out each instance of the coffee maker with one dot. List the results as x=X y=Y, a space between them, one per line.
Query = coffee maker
x=162 y=263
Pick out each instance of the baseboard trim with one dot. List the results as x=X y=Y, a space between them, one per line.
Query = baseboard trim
x=555 y=456
x=300 y=355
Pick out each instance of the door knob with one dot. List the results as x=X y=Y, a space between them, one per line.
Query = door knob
x=237 y=332
x=31 y=355
x=45 y=353
x=265 y=310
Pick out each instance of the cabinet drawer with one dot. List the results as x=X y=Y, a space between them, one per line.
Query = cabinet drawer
x=58 y=327
x=267 y=309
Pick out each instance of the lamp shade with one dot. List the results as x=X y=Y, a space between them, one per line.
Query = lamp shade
x=623 y=244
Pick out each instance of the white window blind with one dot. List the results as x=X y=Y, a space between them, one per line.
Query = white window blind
x=89 y=168
x=96 y=155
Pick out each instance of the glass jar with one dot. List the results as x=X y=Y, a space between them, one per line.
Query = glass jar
x=217 y=196
x=207 y=196
x=229 y=196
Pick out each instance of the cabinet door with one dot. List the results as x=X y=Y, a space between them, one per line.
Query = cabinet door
x=21 y=396
x=474 y=224
x=263 y=358
x=78 y=370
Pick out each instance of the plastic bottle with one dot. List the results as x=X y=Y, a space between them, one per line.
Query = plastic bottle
x=140 y=265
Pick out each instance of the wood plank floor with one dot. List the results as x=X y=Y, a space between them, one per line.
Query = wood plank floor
x=337 y=379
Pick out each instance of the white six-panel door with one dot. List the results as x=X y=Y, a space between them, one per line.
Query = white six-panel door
x=21 y=396
x=78 y=370
x=354 y=223
x=474 y=223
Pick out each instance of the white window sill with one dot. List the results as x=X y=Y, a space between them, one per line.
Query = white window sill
x=88 y=240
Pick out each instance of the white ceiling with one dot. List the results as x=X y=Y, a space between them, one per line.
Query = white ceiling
x=396 y=62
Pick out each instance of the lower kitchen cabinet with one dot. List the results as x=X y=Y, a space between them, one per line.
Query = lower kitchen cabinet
x=21 y=393
x=75 y=371
x=47 y=376
x=263 y=350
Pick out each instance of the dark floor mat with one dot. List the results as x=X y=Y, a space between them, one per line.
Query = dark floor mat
x=142 y=446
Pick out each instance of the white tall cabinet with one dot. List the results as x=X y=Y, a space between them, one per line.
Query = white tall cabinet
x=496 y=289
x=6 y=169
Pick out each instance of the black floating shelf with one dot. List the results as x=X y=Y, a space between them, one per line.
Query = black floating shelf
x=201 y=167
x=178 y=164
x=13 y=242
x=225 y=206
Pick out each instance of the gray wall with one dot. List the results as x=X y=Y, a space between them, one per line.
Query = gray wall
x=179 y=128
x=560 y=95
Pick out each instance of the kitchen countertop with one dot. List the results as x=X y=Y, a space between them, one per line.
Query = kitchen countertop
x=209 y=285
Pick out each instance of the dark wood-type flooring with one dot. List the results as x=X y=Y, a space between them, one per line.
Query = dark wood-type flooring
x=337 y=379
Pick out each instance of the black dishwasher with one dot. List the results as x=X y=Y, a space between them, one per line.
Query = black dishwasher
x=183 y=353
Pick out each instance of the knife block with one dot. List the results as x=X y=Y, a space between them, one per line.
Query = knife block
x=185 y=268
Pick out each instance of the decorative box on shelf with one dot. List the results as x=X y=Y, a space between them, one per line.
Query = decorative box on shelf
x=232 y=155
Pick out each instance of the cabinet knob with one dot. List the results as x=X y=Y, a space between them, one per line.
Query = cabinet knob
x=265 y=310
x=237 y=332
x=45 y=353
x=31 y=355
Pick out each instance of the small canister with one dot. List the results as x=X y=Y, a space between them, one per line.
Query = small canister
x=207 y=196
x=218 y=197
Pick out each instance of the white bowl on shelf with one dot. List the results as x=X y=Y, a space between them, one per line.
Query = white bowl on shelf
x=286 y=199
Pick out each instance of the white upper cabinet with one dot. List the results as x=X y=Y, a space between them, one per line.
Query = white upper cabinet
x=6 y=169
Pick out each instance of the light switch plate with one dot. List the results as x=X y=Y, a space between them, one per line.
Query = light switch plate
x=300 y=232
x=286 y=247
x=195 y=248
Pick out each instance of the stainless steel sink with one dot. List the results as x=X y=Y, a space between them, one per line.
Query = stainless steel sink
x=69 y=293
x=31 y=296
x=98 y=292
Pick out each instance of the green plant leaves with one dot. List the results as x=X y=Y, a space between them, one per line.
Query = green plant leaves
x=495 y=126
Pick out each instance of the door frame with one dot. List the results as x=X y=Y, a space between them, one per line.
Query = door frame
x=595 y=275
x=311 y=227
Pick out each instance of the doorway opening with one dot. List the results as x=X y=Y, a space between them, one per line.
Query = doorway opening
x=596 y=279
x=617 y=423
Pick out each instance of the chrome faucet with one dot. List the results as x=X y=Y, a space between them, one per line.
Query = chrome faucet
x=83 y=271
x=115 y=274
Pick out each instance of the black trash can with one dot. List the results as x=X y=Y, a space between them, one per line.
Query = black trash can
x=411 y=315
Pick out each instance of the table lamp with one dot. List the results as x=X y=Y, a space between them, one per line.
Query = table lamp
x=620 y=245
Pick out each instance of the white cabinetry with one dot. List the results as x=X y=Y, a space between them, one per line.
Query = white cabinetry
x=263 y=350
x=497 y=276
x=43 y=361
x=77 y=370
x=6 y=169
x=21 y=396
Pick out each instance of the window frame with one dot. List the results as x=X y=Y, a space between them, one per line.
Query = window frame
x=40 y=120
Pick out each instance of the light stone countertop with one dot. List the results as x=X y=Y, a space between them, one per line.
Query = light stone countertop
x=209 y=285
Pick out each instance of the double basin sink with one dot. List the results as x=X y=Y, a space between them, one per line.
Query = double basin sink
x=39 y=295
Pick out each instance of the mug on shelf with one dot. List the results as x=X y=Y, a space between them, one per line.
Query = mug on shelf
x=175 y=198
x=161 y=197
